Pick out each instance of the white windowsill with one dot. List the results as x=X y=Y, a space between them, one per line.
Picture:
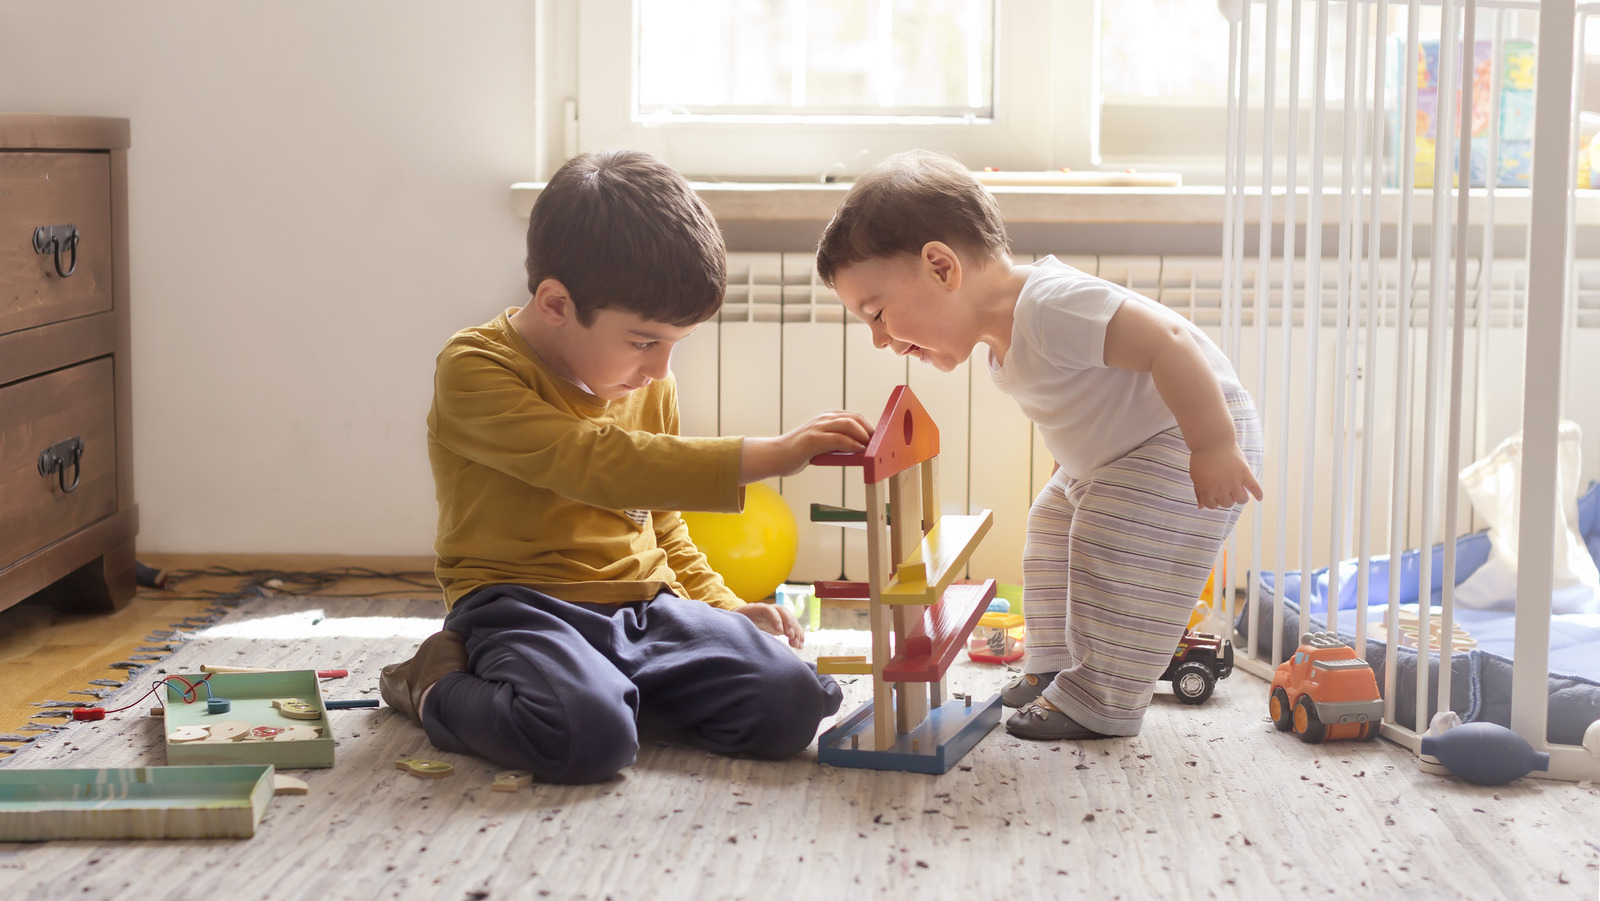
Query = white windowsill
x=806 y=202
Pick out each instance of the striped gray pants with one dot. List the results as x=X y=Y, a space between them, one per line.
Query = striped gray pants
x=1113 y=565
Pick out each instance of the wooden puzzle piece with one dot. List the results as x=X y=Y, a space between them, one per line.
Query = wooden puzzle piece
x=298 y=733
x=427 y=769
x=265 y=733
x=511 y=780
x=288 y=785
x=297 y=709
x=228 y=730
x=188 y=733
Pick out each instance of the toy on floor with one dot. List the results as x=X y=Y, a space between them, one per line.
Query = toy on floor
x=297 y=709
x=511 y=780
x=282 y=715
x=288 y=785
x=998 y=638
x=425 y=769
x=321 y=673
x=1199 y=662
x=1325 y=691
x=159 y=802
x=1484 y=753
x=919 y=618
x=1202 y=658
x=228 y=730
x=1202 y=606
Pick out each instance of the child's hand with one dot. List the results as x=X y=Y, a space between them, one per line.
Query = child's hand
x=1222 y=477
x=787 y=454
x=775 y=619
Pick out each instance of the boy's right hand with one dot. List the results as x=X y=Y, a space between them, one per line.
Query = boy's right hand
x=787 y=454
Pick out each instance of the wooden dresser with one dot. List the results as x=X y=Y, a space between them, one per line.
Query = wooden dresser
x=67 y=518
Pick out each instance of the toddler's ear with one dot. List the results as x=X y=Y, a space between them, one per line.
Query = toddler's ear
x=941 y=260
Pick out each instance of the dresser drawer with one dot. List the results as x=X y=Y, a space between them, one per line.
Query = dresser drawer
x=53 y=189
x=35 y=414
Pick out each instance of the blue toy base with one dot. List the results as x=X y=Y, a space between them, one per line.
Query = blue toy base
x=934 y=746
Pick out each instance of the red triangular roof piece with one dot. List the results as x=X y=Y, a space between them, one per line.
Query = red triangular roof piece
x=906 y=436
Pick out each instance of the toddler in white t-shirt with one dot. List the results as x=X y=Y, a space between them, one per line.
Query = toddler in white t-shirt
x=1156 y=444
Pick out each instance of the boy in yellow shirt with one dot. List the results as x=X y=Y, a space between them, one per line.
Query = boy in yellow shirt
x=579 y=608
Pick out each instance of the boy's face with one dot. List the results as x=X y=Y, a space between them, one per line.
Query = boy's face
x=910 y=305
x=617 y=354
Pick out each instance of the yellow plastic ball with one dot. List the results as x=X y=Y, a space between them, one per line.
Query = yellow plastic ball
x=753 y=551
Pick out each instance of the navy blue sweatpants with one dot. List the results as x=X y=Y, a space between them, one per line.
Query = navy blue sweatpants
x=561 y=689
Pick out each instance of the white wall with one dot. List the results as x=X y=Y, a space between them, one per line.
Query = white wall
x=318 y=198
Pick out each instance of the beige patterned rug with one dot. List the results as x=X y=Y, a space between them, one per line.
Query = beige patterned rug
x=1208 y=802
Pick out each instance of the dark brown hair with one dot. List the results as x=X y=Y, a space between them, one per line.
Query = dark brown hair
x=623 y=230
x=906 y=201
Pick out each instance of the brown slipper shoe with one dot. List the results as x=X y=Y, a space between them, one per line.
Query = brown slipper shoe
x=401 y=684
x=1041 y=721
x=1024 y=688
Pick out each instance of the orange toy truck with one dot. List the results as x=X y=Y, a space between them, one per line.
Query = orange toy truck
x=1326 y=690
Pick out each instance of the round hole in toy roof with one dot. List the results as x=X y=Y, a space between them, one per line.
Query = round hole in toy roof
x=907 y=425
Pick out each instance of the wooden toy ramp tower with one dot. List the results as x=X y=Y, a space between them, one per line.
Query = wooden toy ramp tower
x=920 y=620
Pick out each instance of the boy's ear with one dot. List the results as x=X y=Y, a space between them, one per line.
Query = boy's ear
x=552 y=303
x=942 y=261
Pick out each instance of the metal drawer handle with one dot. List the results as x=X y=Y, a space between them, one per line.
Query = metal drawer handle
x=57 y=457
x=53 y=239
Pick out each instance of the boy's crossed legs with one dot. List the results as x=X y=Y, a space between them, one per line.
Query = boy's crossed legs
x=561 y=689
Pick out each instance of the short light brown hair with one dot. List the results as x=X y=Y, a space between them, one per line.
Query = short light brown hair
x=623 y=230
x=905 y=202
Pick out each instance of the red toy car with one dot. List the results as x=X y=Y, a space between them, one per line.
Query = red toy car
x=1326 y=690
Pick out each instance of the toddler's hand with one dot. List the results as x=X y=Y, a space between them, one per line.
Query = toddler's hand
x=775 y=619
x=1222 y=477
x=787 y=454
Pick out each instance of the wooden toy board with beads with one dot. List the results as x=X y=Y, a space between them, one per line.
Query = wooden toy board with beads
x=272 y=718
x=134 y=802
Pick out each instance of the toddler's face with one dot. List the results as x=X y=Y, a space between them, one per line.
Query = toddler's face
x=910 y=307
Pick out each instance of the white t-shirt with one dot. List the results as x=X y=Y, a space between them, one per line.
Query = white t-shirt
x=1088 y=414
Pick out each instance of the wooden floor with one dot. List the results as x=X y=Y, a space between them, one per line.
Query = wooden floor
x=46 y=655
x=1208 y=802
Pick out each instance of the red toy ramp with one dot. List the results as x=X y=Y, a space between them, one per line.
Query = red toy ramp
x=940 y=634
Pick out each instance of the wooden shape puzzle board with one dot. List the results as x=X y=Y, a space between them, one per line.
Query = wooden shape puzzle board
x=251 y=695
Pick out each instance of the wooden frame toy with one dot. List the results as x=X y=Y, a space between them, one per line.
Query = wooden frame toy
x=920 y=619
x=273 y=718
x=176 y=802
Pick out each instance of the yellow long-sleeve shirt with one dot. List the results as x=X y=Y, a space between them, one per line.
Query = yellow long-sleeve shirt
x=544 y=485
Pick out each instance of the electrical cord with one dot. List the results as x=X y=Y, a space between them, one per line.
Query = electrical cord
x=298 y=583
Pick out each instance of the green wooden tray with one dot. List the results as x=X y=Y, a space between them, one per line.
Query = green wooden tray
x=136 y=802
x=251 y=695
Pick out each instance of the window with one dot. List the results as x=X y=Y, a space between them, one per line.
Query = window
x=798 y=60
x=809 y=88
